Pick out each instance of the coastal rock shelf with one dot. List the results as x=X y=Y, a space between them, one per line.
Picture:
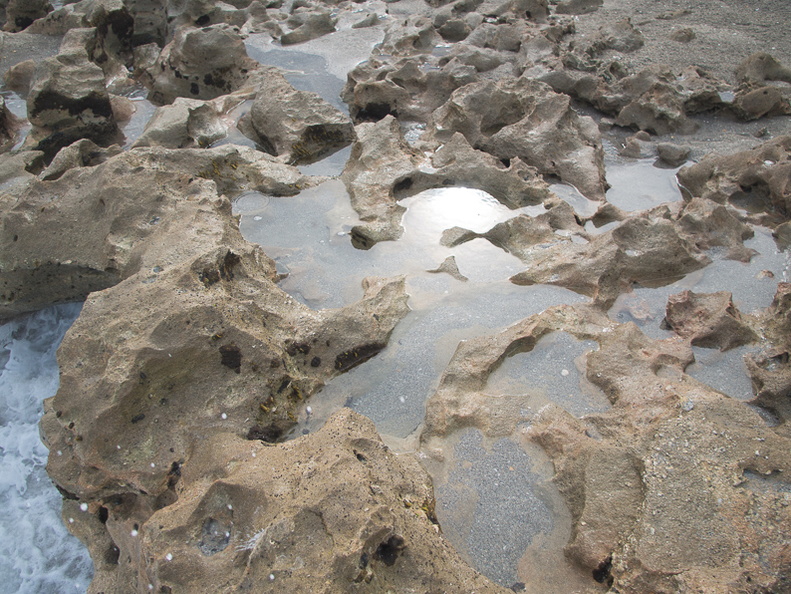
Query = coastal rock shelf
x=427 y=296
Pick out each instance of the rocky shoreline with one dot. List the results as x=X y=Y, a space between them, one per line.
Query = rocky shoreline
x=189 y=364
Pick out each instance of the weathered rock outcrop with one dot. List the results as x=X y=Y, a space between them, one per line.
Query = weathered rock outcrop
x=297 y=125
x=68 y=101
x=190 y=342
x=383 y=168
x=759 y=179
x=249 y=515
x=193 y=66
x=531 y=122
x=627 y=473
x=186 y=123
x=708 y=320
x=100 y=220
x=20 y=14
x=640 y=250
x=189 y=366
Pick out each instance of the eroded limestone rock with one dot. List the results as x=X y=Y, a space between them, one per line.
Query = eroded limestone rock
x=759 y=178
x=200 y=64
x=383 y=169
x=643 y=250
x=646 y=512
x=307 y=24
x=20 y=14
x=99 y=220
x=68 y=101
x=523 y=118
x=186 y=123
x=278 y=519
x=708 y=320
x=298 y=125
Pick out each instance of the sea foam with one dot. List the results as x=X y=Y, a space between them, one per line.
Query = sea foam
x=37 y=553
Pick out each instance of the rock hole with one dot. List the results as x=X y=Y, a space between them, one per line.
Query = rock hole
x=103 y=514
x=402 y=185
x=388 y=551
x=361 y=241
x=214 y=537
x=360 y=457
x=111 y=555
x=602 y=573
x=231 y=357
x=373 y=112
x=353 y=357
x=269 y=434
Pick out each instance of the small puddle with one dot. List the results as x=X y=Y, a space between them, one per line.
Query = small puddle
x=498 y=506
x=492 y=503
x=144 y=111
x=723 y=371
x=553 y=371
x=639 y=185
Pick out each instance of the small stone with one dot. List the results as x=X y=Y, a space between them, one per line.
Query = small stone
x=672 y=155
x=683 y=35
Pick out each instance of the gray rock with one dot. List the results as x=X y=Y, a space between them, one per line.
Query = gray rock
x=684 y=35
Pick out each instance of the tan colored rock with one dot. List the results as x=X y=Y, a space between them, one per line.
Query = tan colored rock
x=461 y=400
x=186 y=123
x=522 y=118
x=522 y=233
x=68 y=101
x=710 y=225
x=98 y=220
x=646 y=250
x=761 y=67
x=83 y=153
x=20 y=14
x=708 y=319
x=200 y=64
x=278 y=518
x=383 y=169
x=450 y=267
x=407 y=87
x=660 y=485
x=752 y=103
x=307 y=24
x=759 y=178
x=297 y=125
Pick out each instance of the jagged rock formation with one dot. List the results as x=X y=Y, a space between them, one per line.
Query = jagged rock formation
x=189 y=365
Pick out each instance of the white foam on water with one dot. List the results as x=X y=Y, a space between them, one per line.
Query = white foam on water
x=37 y=553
